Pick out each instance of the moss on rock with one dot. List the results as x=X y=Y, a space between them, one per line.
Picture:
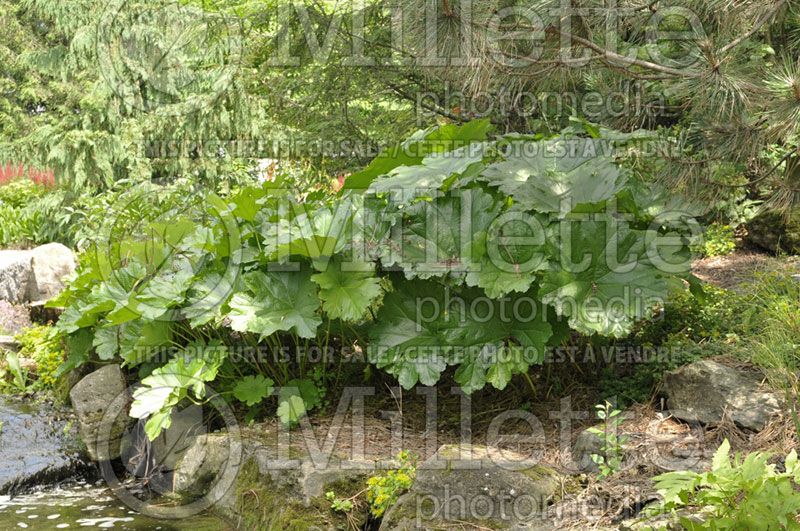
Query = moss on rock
x=775 y=232
x=261 y=503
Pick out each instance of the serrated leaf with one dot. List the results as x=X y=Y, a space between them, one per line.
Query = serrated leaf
x=558 y=175
x=140 y=340
x=206 y=297
x=414 y=149
x=405 y=341
x=280 y=301
x=602 y=283
x=792 y=463
x=406 y=183
x=253 y=390
x=347 y=289
x=500 y=374
x=106 y=342
x=512 y=251
x=423 y=327
x=438 y=237
x=115 y=295
x=245 y=202
x=163 y=292
x=721 y=461
x=168 y=385
x=312 y=233
x=78 y=345
x=303 y=387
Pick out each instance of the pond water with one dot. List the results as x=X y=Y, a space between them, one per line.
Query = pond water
x=83 y=505
x=42 y=478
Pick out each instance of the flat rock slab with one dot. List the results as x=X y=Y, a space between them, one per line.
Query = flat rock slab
x=479 y=486
x=705 y=391
x=8 y=343
x=251 y=483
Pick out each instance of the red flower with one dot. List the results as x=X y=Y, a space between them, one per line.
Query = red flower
x=43 y=178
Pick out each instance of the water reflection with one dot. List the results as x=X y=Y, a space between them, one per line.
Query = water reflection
x=83 y=505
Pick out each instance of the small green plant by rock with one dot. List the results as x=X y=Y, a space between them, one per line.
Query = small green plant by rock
x=13 y=374
x=718 y=240
x=349 y=507
x=748 y=493
x=338 y=504
x=610 y=458
x=43 y=345
x=383 y=491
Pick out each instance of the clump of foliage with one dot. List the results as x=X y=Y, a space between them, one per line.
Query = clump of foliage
x=339 y=504
x=745 y=493
x=85 y=110
x=718 y=240
x=723 y=97
x=687 y=328
x=726 y=94
x=19 y=192
x=43 y=345
x=757 y=321
x=776 y=346
x=383 y=490
x=28 y=211
x=610 y=457
x=718 y=313
x=449 y=218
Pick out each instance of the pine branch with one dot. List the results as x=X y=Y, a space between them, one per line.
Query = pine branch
x=432 y=108
x=755 y=29
x=621 y=58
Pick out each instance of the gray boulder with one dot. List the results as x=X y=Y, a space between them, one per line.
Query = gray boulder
x=16 y=276
x=36 y=274
x=101 y=403
x=705 y=390
x=204 y=462
x=481 y=486
x=50 y=264
x=145 y=458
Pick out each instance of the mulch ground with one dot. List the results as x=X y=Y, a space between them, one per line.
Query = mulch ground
x=730 y=272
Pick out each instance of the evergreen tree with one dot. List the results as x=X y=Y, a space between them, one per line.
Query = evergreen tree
x=100 y=92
